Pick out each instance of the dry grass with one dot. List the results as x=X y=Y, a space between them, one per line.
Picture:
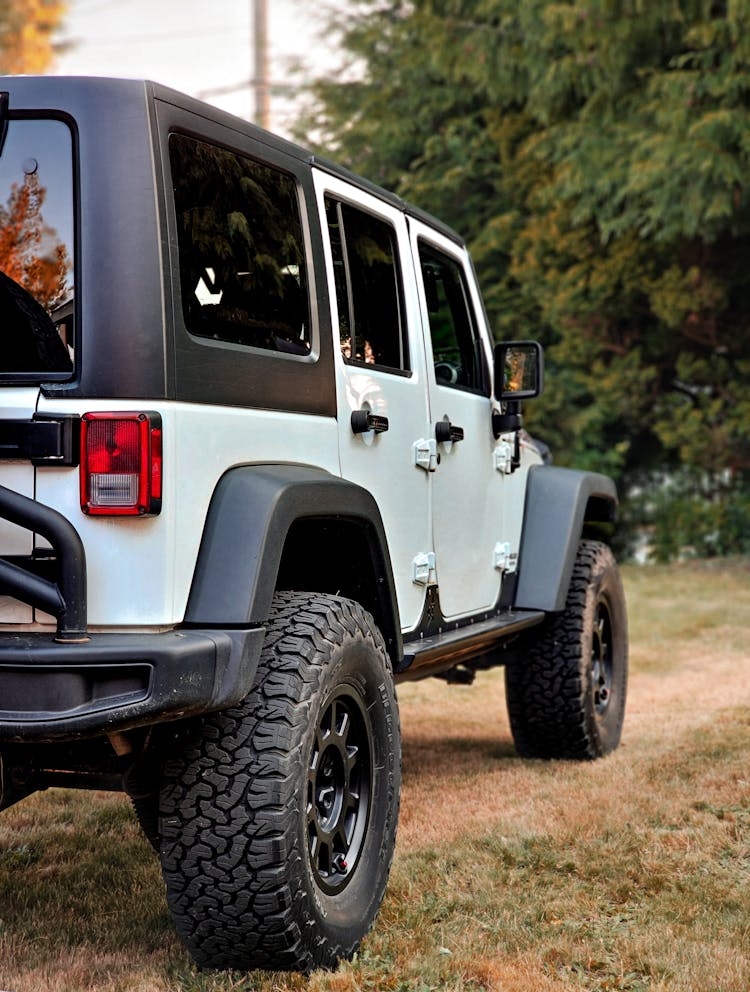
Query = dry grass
x=628 y=874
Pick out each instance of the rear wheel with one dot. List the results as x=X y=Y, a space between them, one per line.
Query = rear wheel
x=566 y=698
x=278 y=820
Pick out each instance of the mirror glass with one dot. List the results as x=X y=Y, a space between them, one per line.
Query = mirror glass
x=518 y=370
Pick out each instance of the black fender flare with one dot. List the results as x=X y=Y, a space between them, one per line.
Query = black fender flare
x=558 y=503
x=248 y=520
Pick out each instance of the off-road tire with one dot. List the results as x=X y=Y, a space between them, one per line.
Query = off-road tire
x=566 y=696
x=254 y=879
x=147 y=811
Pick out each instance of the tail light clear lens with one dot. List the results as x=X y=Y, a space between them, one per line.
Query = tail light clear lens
x=121 y=463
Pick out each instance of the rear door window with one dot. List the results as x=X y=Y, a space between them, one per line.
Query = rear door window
x=369 y=296
x=456 y=347
x=36 y=249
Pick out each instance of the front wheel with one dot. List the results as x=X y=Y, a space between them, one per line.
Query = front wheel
x=566 y=698
x=278 y=820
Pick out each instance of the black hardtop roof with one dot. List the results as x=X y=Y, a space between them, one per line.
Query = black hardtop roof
x=63 y=93
x=297 y=151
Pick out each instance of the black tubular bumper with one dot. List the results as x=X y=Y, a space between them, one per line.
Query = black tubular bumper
x=65 y=599
x=75 y=684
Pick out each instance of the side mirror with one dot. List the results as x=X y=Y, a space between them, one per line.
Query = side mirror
x=519 y=370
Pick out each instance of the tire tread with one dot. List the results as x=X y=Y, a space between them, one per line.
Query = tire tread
x=230 y=802
x=547 y=691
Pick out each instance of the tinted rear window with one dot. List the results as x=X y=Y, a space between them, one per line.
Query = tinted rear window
x=242 y=257
x=36 y=249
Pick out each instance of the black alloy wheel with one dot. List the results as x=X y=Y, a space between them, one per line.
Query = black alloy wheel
x=601 y=657
x=339 y=788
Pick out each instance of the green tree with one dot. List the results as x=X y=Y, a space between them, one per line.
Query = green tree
x=596 y=155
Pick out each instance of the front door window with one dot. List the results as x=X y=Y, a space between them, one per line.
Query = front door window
x=456 y=350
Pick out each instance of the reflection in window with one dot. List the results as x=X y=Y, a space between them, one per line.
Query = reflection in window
x=368 y=288
x=242 y=260
x=456 y=347
x=36 y=248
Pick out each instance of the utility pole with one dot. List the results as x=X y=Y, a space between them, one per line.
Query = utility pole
x=261 y=84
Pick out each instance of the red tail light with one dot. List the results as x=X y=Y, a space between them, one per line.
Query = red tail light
x=121 y=463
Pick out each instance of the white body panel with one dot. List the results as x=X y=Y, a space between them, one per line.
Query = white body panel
x=140 y=569
x=467 y=500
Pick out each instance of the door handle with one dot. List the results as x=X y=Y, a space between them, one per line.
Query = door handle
x=364 y=421
x=445 y=431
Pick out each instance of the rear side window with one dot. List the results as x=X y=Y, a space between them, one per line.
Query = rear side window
x=36 y=249
x=242 y=260
x=368 y=287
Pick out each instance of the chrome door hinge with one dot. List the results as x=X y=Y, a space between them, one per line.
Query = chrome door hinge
x=505 y=560
x=424 y=568
x=425 y=454
x=504 y=457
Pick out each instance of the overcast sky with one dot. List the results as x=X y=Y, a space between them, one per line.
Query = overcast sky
x=188 y=44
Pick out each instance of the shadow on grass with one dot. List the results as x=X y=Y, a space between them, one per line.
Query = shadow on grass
x=74 y=870
x=431 y=758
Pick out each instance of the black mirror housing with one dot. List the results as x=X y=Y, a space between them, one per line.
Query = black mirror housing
x=519 y=370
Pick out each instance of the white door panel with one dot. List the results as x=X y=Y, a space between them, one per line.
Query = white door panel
x=384 y=463
x=467 y=508
x=467 y=499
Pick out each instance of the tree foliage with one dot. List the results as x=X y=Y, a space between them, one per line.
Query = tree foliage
x=27 y=28
x=30 y=251
x=596 y=155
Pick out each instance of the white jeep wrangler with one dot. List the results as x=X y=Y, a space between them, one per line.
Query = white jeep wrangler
x=259 y=460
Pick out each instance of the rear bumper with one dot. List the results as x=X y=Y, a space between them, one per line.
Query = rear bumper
x=71 y=684
x=52 y=690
